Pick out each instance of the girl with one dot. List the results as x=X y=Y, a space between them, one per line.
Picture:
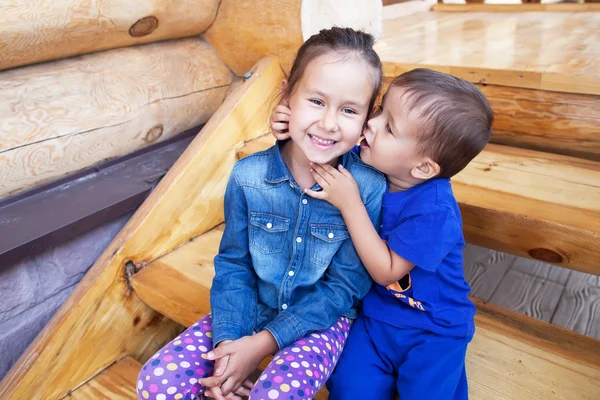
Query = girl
x=288 y=278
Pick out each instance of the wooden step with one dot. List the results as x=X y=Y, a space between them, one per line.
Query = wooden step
x=535 y=50
x=114 y=383
x=529 y=203
x=511 y=357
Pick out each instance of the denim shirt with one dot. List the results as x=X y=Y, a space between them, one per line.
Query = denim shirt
x=286 y=262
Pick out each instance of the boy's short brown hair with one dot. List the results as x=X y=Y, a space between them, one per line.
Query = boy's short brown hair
x=456 y=117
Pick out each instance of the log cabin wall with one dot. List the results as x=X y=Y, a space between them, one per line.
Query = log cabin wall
x=58 y=117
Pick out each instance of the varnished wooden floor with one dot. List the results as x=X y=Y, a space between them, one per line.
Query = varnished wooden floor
x=548 y=50
x=563 y=297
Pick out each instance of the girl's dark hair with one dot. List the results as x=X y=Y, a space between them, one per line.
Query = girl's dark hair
x=345 y=41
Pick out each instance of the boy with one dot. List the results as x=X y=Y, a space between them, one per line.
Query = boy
x=412 y=333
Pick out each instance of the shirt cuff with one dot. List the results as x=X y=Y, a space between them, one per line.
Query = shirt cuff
x=285 y=330
x=227 y=331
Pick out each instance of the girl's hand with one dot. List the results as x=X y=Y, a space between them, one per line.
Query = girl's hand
x=280 y=120
x=339 y=187
x=242 y=391
x=245 y=355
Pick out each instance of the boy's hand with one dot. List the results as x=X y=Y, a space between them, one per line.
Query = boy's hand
x=339 y=187
x=280 y=120
x=245 y=354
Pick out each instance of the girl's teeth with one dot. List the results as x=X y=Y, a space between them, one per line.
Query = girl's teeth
x=323 y=141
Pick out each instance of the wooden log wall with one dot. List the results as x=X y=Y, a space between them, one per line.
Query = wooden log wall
x=59 y=117
x=245 y=31
x=36 y=30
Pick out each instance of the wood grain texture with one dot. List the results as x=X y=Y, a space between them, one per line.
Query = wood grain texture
x=37 y=30
x=117 y=382
x=528 y=294
x=561 y=123
x=526 y=203
x=579 y=307
x=284 y=25
x=557 y=7
x=533 y=204
x=484 y=270
x=186 y=272
x=511 y=357
x=57 y=118
x=548 y=51
x=103 y=309
x=516 y=357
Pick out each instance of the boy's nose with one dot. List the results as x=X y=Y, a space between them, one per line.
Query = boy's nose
x=371 y=124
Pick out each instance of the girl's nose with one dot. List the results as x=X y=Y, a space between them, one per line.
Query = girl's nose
x=329 y=121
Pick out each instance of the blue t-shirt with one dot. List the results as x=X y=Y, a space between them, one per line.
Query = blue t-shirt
x=424 y=226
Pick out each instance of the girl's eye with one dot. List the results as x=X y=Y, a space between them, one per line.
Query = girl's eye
x=349 y=111
x=389 y=128
x=316 y=101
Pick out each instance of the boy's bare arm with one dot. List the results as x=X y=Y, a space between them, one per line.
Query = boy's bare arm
x=340 y=189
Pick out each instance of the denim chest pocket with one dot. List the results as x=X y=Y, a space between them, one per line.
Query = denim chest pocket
x=268 y=232
x=326 y=239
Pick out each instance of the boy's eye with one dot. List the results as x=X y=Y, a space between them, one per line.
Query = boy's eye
x=389 y=128
x=349 y=111
x=316 y=101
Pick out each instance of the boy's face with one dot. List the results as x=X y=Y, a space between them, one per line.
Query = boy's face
x=390 y=143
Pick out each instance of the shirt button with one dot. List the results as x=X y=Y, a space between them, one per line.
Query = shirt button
x=298 y=239
x=291 y=184
x=284 y=307
x=269 y=225
x=330 y=235
x=304 y=201
x=291 y=273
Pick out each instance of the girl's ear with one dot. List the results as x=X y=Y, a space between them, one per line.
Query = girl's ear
x=284 y=99
x=427 y=169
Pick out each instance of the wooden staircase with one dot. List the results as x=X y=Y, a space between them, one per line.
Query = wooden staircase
x=534 y=192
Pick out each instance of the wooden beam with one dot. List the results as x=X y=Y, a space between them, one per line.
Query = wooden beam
x=284 y=25
x=103 y=308
x=528 y=203
x=511 y=356
x=117 y=382
x=557 y=7
x=60 y=117
x=29 y=35
x=558 y=82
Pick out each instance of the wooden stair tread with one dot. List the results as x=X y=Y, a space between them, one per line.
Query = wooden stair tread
x=460 y=44
x=512 y=356
x=117 y=382
x=525 y=202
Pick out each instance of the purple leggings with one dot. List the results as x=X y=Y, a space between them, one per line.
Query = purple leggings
x=297 y=371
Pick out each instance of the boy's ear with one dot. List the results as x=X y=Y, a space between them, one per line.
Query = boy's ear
x=427 y=169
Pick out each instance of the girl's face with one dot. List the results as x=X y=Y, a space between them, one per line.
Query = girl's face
x=329 y=107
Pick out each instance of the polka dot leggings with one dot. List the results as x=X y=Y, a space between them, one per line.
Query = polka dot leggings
x=297 y=372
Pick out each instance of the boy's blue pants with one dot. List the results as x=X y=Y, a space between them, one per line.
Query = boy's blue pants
x=381 y=360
